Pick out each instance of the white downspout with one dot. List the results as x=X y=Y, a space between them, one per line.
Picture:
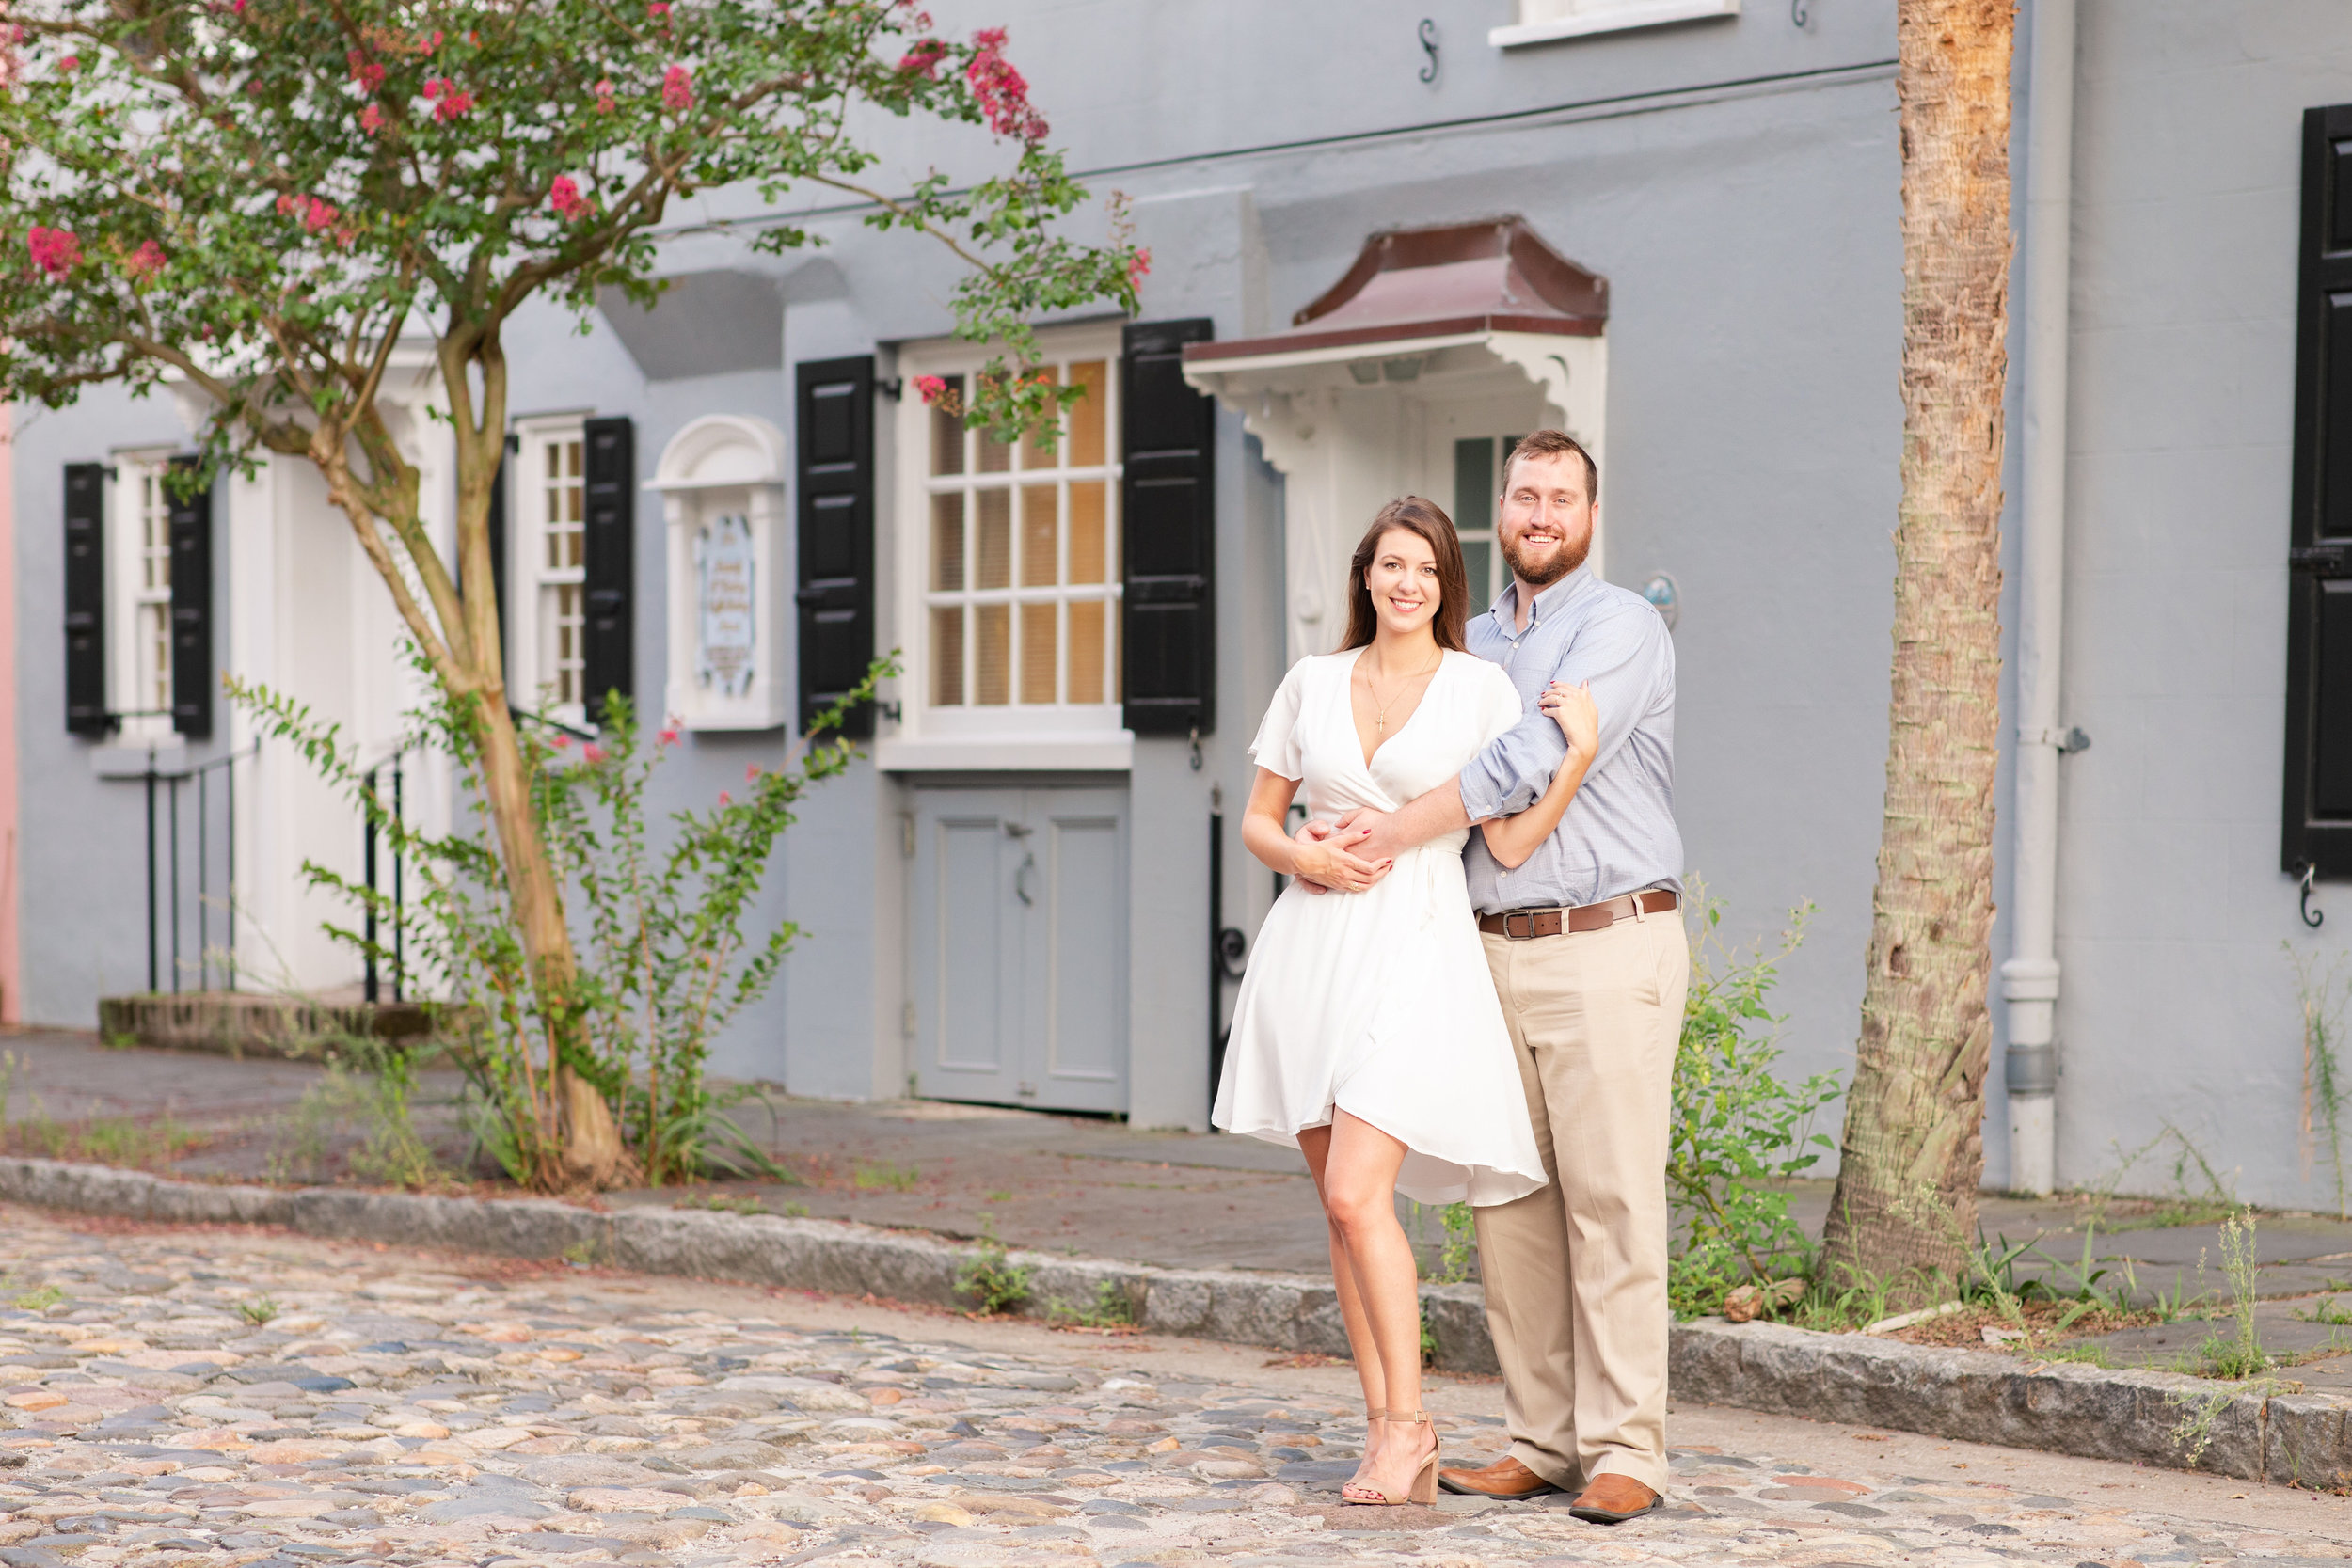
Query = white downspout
x=2030 y=980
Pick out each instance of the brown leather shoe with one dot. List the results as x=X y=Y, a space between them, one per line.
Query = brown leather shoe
x=1505 y=1478
x=1612 y=1499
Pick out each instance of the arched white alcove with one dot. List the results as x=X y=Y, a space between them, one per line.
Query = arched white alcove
x=720 y=480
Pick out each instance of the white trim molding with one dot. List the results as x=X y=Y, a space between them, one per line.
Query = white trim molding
x=1549 y=21
x=721 y=481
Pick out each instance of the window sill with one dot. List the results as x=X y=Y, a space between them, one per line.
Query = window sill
x=1641 y=13
x=1071 y=754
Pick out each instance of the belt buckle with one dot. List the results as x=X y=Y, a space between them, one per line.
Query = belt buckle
x=1512 y=930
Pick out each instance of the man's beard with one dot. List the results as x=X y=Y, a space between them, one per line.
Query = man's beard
x=1552 y=567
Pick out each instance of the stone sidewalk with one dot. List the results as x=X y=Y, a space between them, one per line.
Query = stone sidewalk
x=181 y=1399
x=1074 y=1185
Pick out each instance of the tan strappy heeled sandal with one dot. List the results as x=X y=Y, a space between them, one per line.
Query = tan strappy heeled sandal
x=1424 y=1488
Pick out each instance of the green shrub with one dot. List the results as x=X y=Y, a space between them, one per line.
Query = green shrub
x=1736 y=1128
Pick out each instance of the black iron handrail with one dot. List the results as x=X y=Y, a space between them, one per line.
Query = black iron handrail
x=172 y=778
x=370 y=985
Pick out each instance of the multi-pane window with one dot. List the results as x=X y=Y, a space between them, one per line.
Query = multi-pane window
x=1022 y=580
x=150 y=590
x=1478 y=465
x=559 y=559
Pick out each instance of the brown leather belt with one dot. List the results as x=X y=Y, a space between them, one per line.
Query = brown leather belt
x=1520 y=924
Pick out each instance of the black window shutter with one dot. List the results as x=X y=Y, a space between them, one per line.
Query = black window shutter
x=85 y=711
x=1168 y=506
x=607 y=650
x=2318 y=810
x=834 y=456
x=191 y=531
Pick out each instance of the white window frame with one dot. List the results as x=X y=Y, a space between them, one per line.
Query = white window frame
x=138 y=658
x=1548 y=21
x=529 y=672
x=1064 y=737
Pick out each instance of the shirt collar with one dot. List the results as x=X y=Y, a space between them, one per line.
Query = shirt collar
x=1551 y=601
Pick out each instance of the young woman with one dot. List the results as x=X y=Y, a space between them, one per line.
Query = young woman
x=1367 y=1032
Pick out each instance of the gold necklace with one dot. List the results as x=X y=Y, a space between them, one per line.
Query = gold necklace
x=1380 y=709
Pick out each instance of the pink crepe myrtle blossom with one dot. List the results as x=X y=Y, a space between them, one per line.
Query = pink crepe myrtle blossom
x=922 y=59
x=561 y=741
x=428 y=47
x=69 y=64
x=592 y=754
x=371 y=119
x=318 y=215
x=1139 y=267
x=55 y=251
x=750 y=773
x=931 y=387
x=668 y=737
x=287 y=204
x=1003 y=91
x=448 y=103
x=564 y=195
x=368 y=73
x=725 y=799
x=146 y=262
x=658 y=12
x=605 y=104
x=677 y=88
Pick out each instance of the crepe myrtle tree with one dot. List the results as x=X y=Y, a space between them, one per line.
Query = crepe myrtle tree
x=265 y=200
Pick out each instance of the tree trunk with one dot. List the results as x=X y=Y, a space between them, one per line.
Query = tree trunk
x=462 y=629
x=1912 y=1151
x=591 y=1148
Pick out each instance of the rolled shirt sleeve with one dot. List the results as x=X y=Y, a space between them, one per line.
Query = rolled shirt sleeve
x=1624 y=653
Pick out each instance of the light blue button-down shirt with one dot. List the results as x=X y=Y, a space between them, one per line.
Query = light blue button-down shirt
x=1619 y=834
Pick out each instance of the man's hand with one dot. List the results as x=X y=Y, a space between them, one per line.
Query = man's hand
x=1325 y=853
x=1374 y=837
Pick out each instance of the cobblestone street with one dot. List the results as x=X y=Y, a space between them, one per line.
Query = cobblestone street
x=213 y=1397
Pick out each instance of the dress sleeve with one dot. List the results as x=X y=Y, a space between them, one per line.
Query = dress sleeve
x=1278 y=748
x=1499 y=706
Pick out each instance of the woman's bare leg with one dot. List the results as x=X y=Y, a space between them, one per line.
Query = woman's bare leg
x=1359 y=1187
x=1315 y=1142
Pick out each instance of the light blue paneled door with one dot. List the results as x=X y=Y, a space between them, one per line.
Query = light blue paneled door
x=1018 y=937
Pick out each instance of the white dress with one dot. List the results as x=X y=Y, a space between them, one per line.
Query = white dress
x=1379 y=1003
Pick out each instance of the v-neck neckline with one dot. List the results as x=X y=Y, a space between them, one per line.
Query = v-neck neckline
x=1386 y=739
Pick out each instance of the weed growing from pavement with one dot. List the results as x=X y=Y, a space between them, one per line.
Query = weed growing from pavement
x=1113 y=1310
x=989 y=1278
x=258 y=1311
x=2323 y=991
x=40 y=1299
x=2239 y=1354
x=899 y=1179
x=2325 y=1310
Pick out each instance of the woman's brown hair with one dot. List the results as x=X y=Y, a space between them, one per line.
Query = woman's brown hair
x=1414 y=515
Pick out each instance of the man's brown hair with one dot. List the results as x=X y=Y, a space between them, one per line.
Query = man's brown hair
x=1414 y=515
x=1555 y=443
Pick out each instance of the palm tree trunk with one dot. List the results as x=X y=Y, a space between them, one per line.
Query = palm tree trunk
x=1912 y=1151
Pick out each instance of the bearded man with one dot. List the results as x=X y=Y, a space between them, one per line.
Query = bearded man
x=1590 y=959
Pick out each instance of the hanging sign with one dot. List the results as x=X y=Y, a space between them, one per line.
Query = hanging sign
x=722 y=559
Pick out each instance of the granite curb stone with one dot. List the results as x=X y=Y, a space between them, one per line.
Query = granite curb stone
x=2131 y=1416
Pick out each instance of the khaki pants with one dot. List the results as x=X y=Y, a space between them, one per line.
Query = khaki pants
x=1576 y=1272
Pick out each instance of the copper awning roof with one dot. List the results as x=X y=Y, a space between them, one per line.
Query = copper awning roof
x=1493 y=276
